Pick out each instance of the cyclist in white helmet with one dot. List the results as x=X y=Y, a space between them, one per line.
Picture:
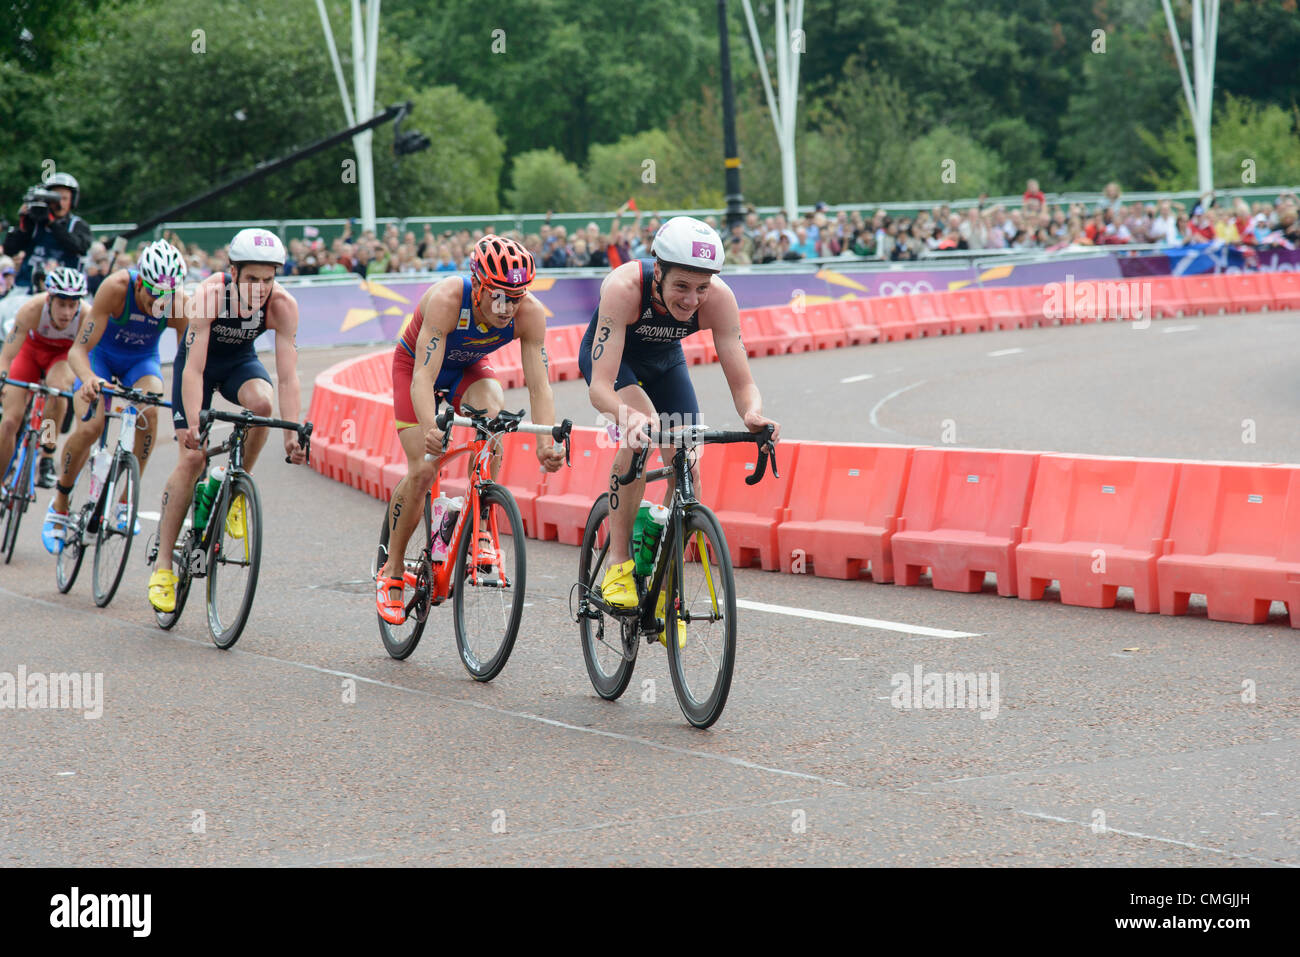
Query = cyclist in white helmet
x=36 y=350
x=228 y=313
x=119 y=341
x=633 y=362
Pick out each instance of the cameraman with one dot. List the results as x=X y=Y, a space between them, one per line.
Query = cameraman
x=48 y=229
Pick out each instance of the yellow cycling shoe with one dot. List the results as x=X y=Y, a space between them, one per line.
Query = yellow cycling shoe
x=235 y=518
x=619 y=588
x=162 y=590
x=661 y=612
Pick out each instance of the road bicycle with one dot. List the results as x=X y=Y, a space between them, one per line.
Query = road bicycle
x=227 y=554
x=485 y=570
x=692 y=569
x=120 y=492
x=18 y=487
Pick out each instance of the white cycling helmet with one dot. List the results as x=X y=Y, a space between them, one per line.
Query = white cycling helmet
x=68 y=180
x=256 y=246
x=161 y=264
x=687 y=242
x=66 y=282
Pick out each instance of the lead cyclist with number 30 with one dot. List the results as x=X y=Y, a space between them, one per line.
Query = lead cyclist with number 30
x=218 y=354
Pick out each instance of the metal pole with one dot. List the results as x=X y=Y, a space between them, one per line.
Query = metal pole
x=365 y=160
x=334 y=59
x=772 y=106
x=1204 y=170
x=731 y=153
x=789 y=190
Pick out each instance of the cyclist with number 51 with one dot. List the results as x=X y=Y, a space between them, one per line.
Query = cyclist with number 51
x=228 y=313
x=632 y=359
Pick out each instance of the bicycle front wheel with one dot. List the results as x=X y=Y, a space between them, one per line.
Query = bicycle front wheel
x=18 y=482
x=400 y=640
x=608 y=657
x=234 y=557
x=112 y=545
x=488 y=597
x=68 y=562
x=701 y=593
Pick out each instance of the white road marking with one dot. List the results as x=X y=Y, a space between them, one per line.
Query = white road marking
x=876 y=408
x=1005 y=352
x=857 y=378
x=1169 y=329
x=147 y=516
x=920 y=630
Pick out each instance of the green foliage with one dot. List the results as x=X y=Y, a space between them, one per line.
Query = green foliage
x=545 y=180
x=1242 y=131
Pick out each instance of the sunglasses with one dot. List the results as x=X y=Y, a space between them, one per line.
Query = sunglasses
x=500 y=294
x=158 y=290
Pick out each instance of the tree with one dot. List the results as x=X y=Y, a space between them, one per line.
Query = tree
x=543 y=179
x=1263 y=136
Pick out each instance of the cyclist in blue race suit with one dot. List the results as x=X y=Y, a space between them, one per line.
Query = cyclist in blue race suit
x=633 y=361
x=119 y=341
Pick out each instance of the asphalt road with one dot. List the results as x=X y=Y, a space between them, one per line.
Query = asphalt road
x=1120 y=739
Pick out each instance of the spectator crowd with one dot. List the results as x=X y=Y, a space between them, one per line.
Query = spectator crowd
x=819 y=234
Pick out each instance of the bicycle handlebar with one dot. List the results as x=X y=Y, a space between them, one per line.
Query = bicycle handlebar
x=134 y=396
x=504 y=422
x=700 y=435
x=34 y=387
x=248 y=420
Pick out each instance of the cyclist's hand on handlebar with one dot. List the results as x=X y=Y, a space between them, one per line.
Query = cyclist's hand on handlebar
x=293 y=449
x=189 y=438
x=638 y=428
x=551 y=457
x=89 y=390
x=433 y=442
x=755 y=421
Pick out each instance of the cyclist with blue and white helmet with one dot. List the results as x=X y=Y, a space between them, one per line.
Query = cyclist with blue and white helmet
x=119 y=341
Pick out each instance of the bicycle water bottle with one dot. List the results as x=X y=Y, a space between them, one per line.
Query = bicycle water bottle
x=647 y=543
x=443 y=522
x=205 y=493
x=99 y=465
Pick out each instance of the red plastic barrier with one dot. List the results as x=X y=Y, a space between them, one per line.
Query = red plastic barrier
x=1250 y=291
x=1234 y=538
x=562 y=344
x=1285 y=287
x=1168 y=297
x=1095 y=524
x=762 y=338
x=749 y=514
x=826 y=330
x=792 y=327
x=1005 y=310
x=523 y=475
x=965 y=307
x=856 y=319
x=1206 y=294
x=843 y=509
x=563 y=507
x=893 y=316
x=929 y=315
x=963 y=516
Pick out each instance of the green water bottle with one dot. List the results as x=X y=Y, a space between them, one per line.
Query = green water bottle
x=650 y=522
x=204 y=495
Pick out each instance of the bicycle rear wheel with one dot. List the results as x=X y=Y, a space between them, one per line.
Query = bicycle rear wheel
x=68 y=562
x=488 y=597
x=400 y=640
x=18 y=481
x=112 y=546
x=609 y=659
x=234 y=557
x=707 y=594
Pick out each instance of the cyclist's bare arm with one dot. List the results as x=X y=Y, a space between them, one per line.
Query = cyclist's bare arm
x=282 y=318
x=440 y=307
x=204 y=309
x=620 y=298
x=29 y=314
x=530 y=324
x=721 y=313
x=109 y=301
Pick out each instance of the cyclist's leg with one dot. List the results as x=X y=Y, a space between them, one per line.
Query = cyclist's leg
x=11 y=419
x=178 y=494
x=58 y=376
x=146 y=375
x=248 y=384
x=406 y=508
x=76 y=447
x=480 y=389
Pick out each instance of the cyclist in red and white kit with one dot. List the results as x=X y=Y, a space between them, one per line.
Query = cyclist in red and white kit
x=36 y=350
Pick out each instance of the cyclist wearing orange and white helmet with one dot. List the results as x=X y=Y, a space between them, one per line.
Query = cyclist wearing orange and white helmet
x=442 y=353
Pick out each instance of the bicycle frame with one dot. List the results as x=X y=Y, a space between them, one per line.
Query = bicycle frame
x=20 y=461
x=481 y=448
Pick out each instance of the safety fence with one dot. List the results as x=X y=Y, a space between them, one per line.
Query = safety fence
x=1166 y=529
